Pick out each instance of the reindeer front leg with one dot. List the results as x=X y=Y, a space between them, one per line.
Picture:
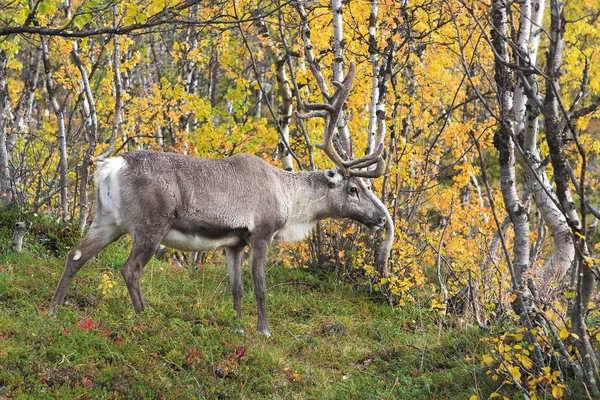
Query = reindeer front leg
x=258 y=256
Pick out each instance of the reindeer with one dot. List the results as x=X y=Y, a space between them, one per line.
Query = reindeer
x=199 y=204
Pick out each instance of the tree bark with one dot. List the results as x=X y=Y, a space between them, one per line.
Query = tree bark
x=525 y=114
x=505 y=145
x=338 y=74
x=6 y=189
x=62 y=139
x=374 y=58
x=286 y=107
x=504 y=142
x=556 y=139
x=91 y=132
x=116 y=66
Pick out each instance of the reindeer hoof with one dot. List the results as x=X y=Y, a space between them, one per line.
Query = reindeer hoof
x=266 y=332
x=147 y=305
x=239 y=330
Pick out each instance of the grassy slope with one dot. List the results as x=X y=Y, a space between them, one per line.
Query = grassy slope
x=330 y=341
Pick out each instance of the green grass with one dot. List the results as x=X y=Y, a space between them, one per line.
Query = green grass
x=330 y=341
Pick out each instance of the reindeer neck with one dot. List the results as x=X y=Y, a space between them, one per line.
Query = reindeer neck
x=307 y=193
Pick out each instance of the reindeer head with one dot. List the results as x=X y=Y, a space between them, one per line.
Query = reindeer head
x=349 y=197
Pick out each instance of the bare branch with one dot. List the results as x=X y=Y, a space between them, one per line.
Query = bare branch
x=169 y=16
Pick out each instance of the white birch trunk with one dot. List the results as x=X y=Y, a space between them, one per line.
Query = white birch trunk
x=286 y=107
x=524 y=303
x=285 y=115
x=526 y=120
x=116 y=65
x=338 y=73
x=6 y=191
x=91 y=131
x=62 y=139
x=374 y=58
x=552 y=117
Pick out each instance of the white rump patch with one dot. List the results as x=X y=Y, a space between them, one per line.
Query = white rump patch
x=108 y=186
x=77 y=255
x=184 y=242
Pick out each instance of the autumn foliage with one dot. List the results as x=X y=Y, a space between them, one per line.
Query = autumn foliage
x=205 y=78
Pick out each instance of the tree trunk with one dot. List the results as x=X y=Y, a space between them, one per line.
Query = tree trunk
x=345 y=143
x=91 y=131
x=18 y=236
x=6 y=190
x=374 y=58
x=504 y=143
x=62 y=139
x=525 y=114
x=286 y=107
x=116 y=66
x=556 y=138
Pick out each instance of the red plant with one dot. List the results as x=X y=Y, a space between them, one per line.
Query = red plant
x=86 y=325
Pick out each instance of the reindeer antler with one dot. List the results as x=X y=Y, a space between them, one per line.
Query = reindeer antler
x=330 y=111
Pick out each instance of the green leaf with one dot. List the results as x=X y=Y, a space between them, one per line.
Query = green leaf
x=82 y=20
x=131 y=13
x=46 y=7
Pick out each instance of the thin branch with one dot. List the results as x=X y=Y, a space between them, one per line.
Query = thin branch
x=269 y=106
x=165 y=17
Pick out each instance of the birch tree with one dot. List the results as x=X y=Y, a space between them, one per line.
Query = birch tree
x=515 y=40
x=6 y=191
x=504 y=141
x=61 y=134
x=285 y=108
x=554 y=114
x=91 y=126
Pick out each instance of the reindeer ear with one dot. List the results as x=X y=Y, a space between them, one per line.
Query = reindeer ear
x=334 y=177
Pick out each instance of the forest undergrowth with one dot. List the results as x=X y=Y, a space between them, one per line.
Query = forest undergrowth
x=330 y=340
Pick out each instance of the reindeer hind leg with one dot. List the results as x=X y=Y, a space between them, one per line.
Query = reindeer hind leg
x=98 y=237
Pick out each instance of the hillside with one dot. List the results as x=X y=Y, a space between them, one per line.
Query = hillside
x=330 y=340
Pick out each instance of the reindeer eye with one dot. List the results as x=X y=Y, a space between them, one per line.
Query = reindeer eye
x=353 y=190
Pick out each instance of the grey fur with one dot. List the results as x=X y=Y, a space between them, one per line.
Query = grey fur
x=240 y=200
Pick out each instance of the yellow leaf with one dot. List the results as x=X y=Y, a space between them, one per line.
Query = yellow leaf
x=526 y=361
x=474 y=397
x=296 y=376
x=563 y=333
x=487 y=359
x=515 y=372
x=494 y=395
x=557 y=391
